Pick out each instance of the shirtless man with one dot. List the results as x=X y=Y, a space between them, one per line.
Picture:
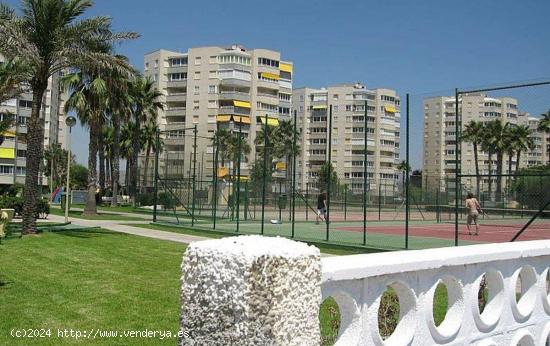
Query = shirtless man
x=473 y=207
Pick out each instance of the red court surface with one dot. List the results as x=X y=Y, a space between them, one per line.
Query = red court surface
x=493 y=233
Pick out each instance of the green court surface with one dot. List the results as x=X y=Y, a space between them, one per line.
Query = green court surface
x=345 y=233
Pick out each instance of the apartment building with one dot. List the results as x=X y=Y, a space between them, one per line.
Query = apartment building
x=215 y=87
x=440 y=138
x=13 y=150
x=348 y=140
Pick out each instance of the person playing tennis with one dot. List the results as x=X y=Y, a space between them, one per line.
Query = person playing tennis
x=474 y=209
x=321 y=207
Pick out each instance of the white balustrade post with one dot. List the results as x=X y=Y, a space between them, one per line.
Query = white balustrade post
x=250 y=290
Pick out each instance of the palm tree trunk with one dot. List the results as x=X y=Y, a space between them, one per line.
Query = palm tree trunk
x=108 y=171
x=116 y=161
x=127 y=173
x=91 y=207
x=498 y=190
x=518 y=156
x=35 y=143
x=101 y=152
x=476 y=161
x=146 y=167
x=134 y=174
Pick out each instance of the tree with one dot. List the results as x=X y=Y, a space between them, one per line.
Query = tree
x=79 y=177
x=521 y=141
x=88 y=98
x=326 y=173
x=403 y=167
x=51 y=36
x=145 y=103
x=56 y=164
x=531 y=190
x=544 y=126
x=150 y=141
x=283 y=144
x=473 y=133
x=12 y=74
x=498 y=141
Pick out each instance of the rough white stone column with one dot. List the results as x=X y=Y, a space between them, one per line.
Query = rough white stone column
x=250 y=290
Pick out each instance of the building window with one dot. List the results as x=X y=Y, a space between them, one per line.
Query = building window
x=25 y=104
x=213 y=59
x=196 y=89
x=177 y=76
x=195 y=105
x=177 y=61
x=198 y=60
x=211 y=89
x=212 y=74
x=197 y=75
x=212 y=104
x=268 y=62
x=335 y=97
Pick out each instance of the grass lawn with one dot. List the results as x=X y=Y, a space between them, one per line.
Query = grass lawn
x=326 y=248
x=100 y=216
x=85 y=280
x=96 y=279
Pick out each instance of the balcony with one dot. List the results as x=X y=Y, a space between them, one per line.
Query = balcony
x=176 y=83
x=175 y=111
x=176 y=97
x=234 y=95
x=234 y=110
x=177 y=69
x=174 y=126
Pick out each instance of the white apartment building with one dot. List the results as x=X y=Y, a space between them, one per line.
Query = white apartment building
x=215 y=87
x=348 y=126
x=440 y=140
x=13 y=150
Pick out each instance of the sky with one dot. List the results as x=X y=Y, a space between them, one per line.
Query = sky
x=419 y=47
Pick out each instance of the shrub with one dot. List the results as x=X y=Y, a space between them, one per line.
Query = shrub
x=43 y=208
x=166 y=200
x=12 y=202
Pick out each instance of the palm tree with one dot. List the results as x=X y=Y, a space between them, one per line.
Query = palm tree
x=108 y=142
x=497 y=140
x=149 y=132
x=222 y=137
x=12 y=74
x=284 y=137
x=145 y=103
x=51 y=36
x=403 y=167
x=119 y=107
x=487 y=146
x=522 y=141
x=473 y=133
x=544 y=126
x=88 y=98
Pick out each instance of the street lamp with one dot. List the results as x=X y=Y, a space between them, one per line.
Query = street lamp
x=70 y=121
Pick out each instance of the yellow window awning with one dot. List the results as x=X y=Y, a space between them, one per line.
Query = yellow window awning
x=270 y=75
x=270 y=121
x=285 y=67
x=8 y=133
x=243 y=178
x=223 y=171
x=390 y=109
x=320 y=107
x=7 y=153
x=223 y=118
x=243 y=104
x=241 y=119
x=280 y=166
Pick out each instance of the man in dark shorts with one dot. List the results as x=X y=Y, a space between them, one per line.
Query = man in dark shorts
x=321 y=207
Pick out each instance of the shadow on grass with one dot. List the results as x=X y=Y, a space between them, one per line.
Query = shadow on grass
x=87 y=233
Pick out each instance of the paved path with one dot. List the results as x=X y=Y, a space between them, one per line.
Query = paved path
x=123 y=227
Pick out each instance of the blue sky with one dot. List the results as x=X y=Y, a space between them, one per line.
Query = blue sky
x=419 y=47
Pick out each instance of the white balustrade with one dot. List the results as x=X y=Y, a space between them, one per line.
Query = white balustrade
x=358 y=282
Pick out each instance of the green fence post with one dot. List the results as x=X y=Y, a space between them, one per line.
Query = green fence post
x=457 y=165
x=407 y=169
x=239 y=153
x=307 y=201
x=345 y=202
x=365 y=173
x=215 y=178
x=156 y=174
x=380 y=197
x=329 y=159
x=194 y=173
x=293 y=176
x=264 y=174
